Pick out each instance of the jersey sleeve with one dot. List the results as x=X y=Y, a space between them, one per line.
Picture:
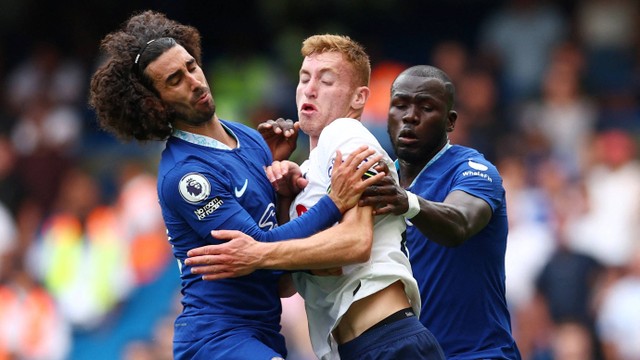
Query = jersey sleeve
x=480 y=178
x=202 y=198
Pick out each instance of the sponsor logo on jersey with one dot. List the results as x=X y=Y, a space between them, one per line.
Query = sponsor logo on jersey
x=478 y=170
x=241 y=191
x=267 y=220
x=194 y=187
x=206 y=210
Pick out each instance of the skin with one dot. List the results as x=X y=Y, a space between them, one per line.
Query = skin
x=181 y=83
x=325 y=92
x=419 y=118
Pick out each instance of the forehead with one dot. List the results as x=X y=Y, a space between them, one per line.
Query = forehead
x=414 y=85
x=326 y=61
x=168 y=62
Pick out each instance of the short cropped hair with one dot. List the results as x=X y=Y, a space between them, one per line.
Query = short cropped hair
x=427 y=71
x=352 y=51
x=124 y=99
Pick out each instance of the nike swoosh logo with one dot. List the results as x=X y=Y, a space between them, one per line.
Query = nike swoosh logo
x=240 y=192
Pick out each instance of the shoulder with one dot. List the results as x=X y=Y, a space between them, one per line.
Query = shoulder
x=467 y=157
x=346 y=134
x=341 y=125
x=241 y=130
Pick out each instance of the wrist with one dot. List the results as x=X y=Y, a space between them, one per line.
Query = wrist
x=339 y=204
x=414 y=205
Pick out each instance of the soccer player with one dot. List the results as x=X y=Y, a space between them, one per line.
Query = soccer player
x=210 y=176
x=370 y=310
x=455 y=204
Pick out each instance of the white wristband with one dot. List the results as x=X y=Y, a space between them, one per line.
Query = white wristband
x=414 y=205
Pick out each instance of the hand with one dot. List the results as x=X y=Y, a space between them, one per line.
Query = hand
x=286 y=178
x=281 y=136
x=347 y=183
x=385 y=197
x=239 y=256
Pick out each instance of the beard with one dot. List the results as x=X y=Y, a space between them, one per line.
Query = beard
x=193 y=117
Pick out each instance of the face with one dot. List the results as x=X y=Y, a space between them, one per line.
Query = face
x=181 y=83
x=418 y=118
x=325 y=92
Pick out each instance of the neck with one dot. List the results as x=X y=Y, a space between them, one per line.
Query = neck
x=409 y=170
x=212 y=129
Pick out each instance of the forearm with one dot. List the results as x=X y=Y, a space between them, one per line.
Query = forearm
x=454 y=221
x=441 y=223
x=346 y=243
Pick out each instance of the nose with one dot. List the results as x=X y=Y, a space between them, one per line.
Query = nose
x=310 y=89
x=411 y=115
x=194 y=81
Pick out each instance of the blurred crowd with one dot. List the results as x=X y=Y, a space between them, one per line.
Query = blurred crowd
x=552 y=97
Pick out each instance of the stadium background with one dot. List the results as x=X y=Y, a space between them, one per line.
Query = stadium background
x=549 y=91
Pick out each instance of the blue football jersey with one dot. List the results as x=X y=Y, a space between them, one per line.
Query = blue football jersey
x=472 y=273
x=203 y=188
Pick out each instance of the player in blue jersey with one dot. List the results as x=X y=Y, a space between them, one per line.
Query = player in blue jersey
x=457 y=220
x=211 y=176
x=368 y=310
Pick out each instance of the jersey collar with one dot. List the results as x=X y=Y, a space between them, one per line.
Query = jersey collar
x=205 y=140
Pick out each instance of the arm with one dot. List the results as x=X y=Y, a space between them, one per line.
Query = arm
x=454 y=221
x=347 y=186
x=449 y=223
x=346 y=243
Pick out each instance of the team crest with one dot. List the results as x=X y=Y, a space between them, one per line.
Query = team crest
x=194 y=187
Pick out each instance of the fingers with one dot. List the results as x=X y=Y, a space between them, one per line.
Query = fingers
x=358 y=156
x=373 y=179
x=276 y=171
x=204 y=250
x=288 y=127
x=226 y=234
x=338 y=159
x=280 y=126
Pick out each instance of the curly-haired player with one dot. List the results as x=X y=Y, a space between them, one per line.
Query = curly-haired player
x=211 y=176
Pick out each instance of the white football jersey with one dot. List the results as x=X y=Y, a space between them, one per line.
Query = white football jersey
x=327 y=298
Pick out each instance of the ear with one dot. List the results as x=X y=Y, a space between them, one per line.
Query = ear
x=360 y=97
x=451 y=120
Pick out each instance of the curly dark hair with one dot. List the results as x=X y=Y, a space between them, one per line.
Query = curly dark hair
x=125 y=102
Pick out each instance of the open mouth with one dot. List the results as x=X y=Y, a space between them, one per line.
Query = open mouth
x=306 y=107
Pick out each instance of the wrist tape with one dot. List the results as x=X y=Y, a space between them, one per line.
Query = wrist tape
x=414 y=206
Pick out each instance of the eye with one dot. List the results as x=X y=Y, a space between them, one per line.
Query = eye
x=175 y=81
x=304 y=78
x=398 y=105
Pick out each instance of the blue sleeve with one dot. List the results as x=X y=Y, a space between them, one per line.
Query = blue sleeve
x=220 y=210
x=481 y=179
x=322 y=215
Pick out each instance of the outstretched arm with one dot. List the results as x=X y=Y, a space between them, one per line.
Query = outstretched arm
x=449 y=223
x=348 y=242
